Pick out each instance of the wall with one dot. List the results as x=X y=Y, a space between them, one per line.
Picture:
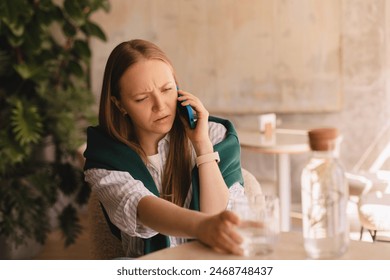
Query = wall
x=363 y=56
x=253 y=57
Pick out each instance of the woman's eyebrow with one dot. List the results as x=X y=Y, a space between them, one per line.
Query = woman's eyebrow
x=166 y=84
x=142 y=93
x=150 y=91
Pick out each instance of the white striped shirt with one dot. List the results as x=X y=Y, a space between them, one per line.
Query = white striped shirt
x=120 y=194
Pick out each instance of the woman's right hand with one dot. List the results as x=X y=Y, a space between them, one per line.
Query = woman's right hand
x=199 y=136
x=218 y=232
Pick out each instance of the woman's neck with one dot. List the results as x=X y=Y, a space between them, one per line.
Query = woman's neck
x=149 y=144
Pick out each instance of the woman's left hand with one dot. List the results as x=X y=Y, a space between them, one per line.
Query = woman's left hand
x=199 y=136
x=219 y=232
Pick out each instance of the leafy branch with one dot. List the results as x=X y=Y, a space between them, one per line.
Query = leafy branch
x=45 y=104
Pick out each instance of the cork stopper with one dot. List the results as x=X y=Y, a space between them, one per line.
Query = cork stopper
x=323 y=139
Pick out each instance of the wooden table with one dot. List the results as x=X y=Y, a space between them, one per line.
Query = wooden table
x=289 y=247
x=282 y=143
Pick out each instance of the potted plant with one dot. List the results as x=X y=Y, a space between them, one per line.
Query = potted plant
x=45 y=105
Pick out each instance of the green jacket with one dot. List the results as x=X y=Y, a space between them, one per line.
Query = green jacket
x=106 y=153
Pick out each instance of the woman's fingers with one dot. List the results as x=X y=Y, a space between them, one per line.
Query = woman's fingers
x=220 y=234
x=187 y=98
x=200 y=135
x=229 y=244
x=231 y=240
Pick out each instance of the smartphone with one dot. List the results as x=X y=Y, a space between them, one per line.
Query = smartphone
x=188 y=113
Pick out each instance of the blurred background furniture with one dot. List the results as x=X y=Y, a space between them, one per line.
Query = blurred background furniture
x=251 y=185
x=369 y=184
x=372 y=170
x=374 y=213
x=281 y=143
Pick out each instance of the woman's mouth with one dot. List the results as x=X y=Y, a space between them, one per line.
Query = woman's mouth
x=162 y=119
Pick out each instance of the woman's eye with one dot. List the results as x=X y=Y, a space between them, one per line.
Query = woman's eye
x=141 y=99
x=167 y=89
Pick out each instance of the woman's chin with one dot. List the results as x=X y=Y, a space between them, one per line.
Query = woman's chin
x=163 y=128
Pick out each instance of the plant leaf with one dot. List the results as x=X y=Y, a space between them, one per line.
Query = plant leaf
x=93 y=29
x=26 y=123
x=15 y=14
x=75 y=11
x=14 y=40
x=17 y=29
x=11 y=153
x=24 y=70
x=82 y=49
x=69 y=224
x=75 y=68
x=69 y=29
x=68 y=178
x=4 y=63
x=8 y=11
x=100 y=4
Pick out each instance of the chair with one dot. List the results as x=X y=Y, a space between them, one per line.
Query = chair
x=252 y=186
x=370 y=172
x=374 y=213
x=370 y=182
x=104 y=245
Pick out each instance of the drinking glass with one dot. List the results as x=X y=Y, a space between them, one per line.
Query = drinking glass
x=259 y=223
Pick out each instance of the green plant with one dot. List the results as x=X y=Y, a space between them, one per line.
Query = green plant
x=45 y=102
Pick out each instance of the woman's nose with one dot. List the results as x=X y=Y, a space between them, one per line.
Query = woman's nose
x=158 y=103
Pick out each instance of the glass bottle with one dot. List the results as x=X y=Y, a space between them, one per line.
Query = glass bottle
x=324 y=197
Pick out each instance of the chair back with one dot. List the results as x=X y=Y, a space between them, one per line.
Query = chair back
x=104 y=245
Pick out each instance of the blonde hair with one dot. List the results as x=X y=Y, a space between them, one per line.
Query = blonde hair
x=177 y=172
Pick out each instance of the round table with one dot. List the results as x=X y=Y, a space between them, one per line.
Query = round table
x=289 y=247
x=281 y=142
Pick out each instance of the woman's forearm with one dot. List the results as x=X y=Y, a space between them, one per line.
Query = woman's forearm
x=214 y=194
x=168 y=218
x=216 y=231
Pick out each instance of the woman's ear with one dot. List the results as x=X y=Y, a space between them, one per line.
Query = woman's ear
x=118 y=105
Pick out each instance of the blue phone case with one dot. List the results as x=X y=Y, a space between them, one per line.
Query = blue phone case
x=190 y=116
x=188 y=113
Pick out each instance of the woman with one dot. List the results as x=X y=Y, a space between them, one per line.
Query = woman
x=158 y=180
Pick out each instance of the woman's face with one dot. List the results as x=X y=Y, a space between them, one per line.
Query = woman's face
x=148 y=94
